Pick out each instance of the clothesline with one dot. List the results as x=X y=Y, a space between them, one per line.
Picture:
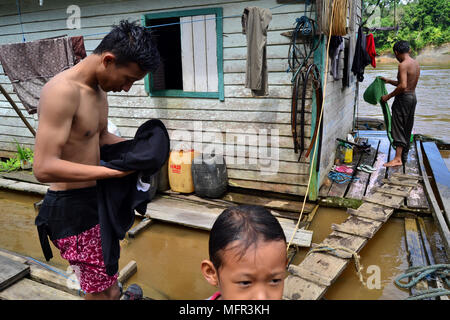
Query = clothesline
x=159 y=25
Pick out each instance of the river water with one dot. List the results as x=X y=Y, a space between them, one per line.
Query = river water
x=432 y=115
x=169 y=256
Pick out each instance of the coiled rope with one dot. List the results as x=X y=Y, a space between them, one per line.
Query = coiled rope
x=417 y=274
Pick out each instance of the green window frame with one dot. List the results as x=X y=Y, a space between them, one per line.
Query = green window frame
x=146 y=18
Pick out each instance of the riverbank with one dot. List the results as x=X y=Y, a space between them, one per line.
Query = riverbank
x=431 y=55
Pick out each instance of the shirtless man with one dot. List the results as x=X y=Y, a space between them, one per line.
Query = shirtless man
x=405 y=102
x=73 y=118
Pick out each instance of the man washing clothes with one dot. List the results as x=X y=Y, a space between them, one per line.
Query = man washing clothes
x=405 y=101
x=73 y=117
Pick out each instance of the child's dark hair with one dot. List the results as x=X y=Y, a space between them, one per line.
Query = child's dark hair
x=401 y=46
x=130 y=42
x=246 y=223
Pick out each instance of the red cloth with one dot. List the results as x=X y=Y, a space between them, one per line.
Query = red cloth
x=370 y=48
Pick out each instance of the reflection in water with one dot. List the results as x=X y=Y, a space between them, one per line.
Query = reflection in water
x=168 y=256
x=432 y=115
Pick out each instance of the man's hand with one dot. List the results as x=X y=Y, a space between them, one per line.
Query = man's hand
x=385 y=98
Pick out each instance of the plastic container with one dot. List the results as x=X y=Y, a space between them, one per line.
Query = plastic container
x=180 y=174
x=348 y=155
x=210 y=176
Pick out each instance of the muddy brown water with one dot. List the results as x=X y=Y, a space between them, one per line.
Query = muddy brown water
x=168 y=256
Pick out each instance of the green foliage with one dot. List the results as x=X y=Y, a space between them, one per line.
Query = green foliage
x=421 y=23
x=23 y=155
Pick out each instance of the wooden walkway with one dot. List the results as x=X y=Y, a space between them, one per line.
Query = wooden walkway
x=350 y=195
x=23 y=278
x=319 y=270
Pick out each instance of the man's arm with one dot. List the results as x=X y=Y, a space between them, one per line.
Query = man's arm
x=402 y=83
x=393 y=82
x=57 y=107
x=107 y=137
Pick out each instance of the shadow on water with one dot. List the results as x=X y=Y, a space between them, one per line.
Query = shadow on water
x=169 y=256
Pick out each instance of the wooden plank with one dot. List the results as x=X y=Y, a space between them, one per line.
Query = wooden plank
x=187 y=54
x=441 y=175
x=417 y=197
x=199 y=41
x=358 y=226
x=141 y=226
x=372 y=211
x=384 y=199
x=127 y=271
x=429 y=254
x=56 y=280
x=416 y=256
x=382 y=157
x=436 y=211
x=358 y=188
x=397 y=182
x=272 y=203
x=410 y=176
x=211 y=53
x=309 y=275
x=401 y=191
x=202 y=217
x=27 y=289
x=296 y=288
x=11 y=271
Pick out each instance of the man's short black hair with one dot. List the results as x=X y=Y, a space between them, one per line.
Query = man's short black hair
x=401 y=46
x=130 y=42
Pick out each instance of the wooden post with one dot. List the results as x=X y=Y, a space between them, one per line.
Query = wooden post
x=16 y=108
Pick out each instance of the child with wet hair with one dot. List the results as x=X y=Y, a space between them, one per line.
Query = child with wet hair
x=247 y=251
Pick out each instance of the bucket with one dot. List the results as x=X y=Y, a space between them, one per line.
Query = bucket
x=180 y=175
x=210 y=176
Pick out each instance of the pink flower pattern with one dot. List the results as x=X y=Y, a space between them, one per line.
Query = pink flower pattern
x=85 y=255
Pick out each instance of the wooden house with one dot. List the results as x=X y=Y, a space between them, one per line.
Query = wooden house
x=204 y=99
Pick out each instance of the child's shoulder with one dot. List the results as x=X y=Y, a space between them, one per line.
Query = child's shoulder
x=215 y=296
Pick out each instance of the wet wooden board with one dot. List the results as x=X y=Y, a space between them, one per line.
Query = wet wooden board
x=27 y=289
x=358 y=226
x=146 y=222
x=429 y=253
x=55 y=280
x=202 y=217
x=383 y=199
x=440 y=221
x=296 y=288
x=372 y=211
x=406 y=176
x=349 y=241
x=401 y=191
x=358 y=188
x=271 y=203
x=417 y=197
x=441 y=175
x=309 y=274
x=11 y=271
x=339 y=189
x=397 y=182
x=416 y=255
x=382 y=157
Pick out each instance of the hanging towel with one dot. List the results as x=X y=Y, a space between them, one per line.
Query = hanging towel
x=361 y=58
x=119 y=197
x=370 y=48
x=373 y=95
x=255 y=22
x=30 y=65
x=336 y=47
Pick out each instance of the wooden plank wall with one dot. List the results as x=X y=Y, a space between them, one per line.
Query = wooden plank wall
x=240 y=112
x=339 y=101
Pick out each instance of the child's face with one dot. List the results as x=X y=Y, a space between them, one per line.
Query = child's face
x=257 y=275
